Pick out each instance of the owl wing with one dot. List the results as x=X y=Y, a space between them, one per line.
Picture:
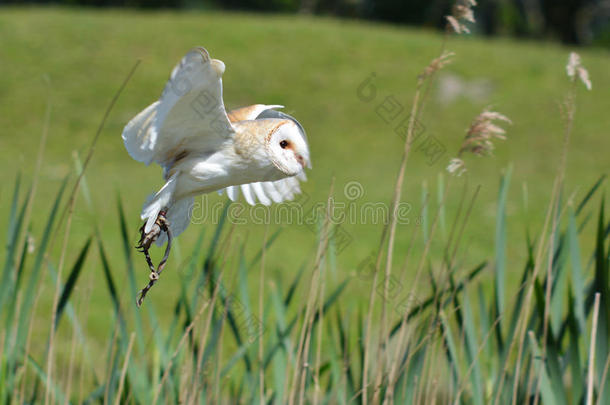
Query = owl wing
x=267 y=192
x=189 y=115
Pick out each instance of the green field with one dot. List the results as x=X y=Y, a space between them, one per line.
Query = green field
x=75 y=60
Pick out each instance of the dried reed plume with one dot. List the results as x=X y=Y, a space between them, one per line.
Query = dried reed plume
x=575 y=68
x=438 y=63
x=460 y=15
x=479 y=139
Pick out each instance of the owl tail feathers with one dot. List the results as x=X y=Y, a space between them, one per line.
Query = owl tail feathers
x=164 y=200
x=179 y=218
x=178 y=212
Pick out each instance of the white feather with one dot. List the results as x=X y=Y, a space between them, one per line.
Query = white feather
x=179 y=218
x=159 y=201
x=260 y=193
x=272 y=192
x=248 y=195
x=190 y=115
x=266 y=191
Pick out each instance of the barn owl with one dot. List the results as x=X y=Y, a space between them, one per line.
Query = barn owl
x=257 y=150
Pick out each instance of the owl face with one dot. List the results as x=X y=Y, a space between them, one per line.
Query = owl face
x=287 y=148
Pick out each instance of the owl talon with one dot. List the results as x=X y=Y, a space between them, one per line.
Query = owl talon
x=146 y=240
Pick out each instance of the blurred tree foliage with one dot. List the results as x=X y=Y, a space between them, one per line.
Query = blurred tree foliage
x=570 y=21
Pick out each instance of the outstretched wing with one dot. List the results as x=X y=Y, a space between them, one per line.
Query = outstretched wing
x=189 y=116
x=267 y=192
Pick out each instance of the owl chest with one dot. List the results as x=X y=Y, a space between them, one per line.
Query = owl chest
x=204 y=174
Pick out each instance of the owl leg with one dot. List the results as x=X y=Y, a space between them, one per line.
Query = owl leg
x=146 y=239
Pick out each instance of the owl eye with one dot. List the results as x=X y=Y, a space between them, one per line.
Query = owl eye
x=283 y=144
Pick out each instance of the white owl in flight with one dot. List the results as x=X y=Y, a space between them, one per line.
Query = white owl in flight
x=202 y=148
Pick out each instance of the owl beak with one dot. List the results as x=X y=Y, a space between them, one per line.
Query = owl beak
x=301 y=161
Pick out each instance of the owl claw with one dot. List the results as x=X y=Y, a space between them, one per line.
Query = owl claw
x=146 y=240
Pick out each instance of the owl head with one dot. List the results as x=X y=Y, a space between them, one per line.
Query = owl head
x=286 y=143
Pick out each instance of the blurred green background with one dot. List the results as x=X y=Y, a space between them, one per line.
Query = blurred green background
x=75 y=60
x=569 y=21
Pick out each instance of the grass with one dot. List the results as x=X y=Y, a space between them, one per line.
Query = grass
x=468 y=331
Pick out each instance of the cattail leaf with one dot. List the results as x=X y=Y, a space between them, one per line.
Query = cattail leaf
x=268 y=245
x=84 y=186
x=110 y=282
x=485 y=320
x=293 y=286
x=336 y=390
x=186 y=277
x=590 y=194
x=42 y=376
x=95 y=396
x=344 y=345
x=546 y=390
x=208 y=263
x=242 y=282
x=472 y=347
x=25 y=312
x=438 y=296
x=577 y=279
x=559 y=288
x=553 y=363
x=517 y=307
x=332 y=298
x=452 y=353
x=15 y=223
x=601 y=285
x=500 y=243
x=68 y=288
x=237 y=355
x=212 y=345
x=577 y=390
x=415 y=371
x=279 y=357
x=127 y=251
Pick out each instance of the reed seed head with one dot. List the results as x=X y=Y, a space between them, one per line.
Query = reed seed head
x=438 y=63
x=479 y=138
x=575 y=69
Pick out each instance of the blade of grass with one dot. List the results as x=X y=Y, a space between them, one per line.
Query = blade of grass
x=71 y=281
x=577 y=279
x=26 y=306
x=601 y=286
x=59 y=395
x=500 y=243
x=546 y=390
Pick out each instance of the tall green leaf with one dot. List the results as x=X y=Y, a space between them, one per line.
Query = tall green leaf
x=500 y=245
